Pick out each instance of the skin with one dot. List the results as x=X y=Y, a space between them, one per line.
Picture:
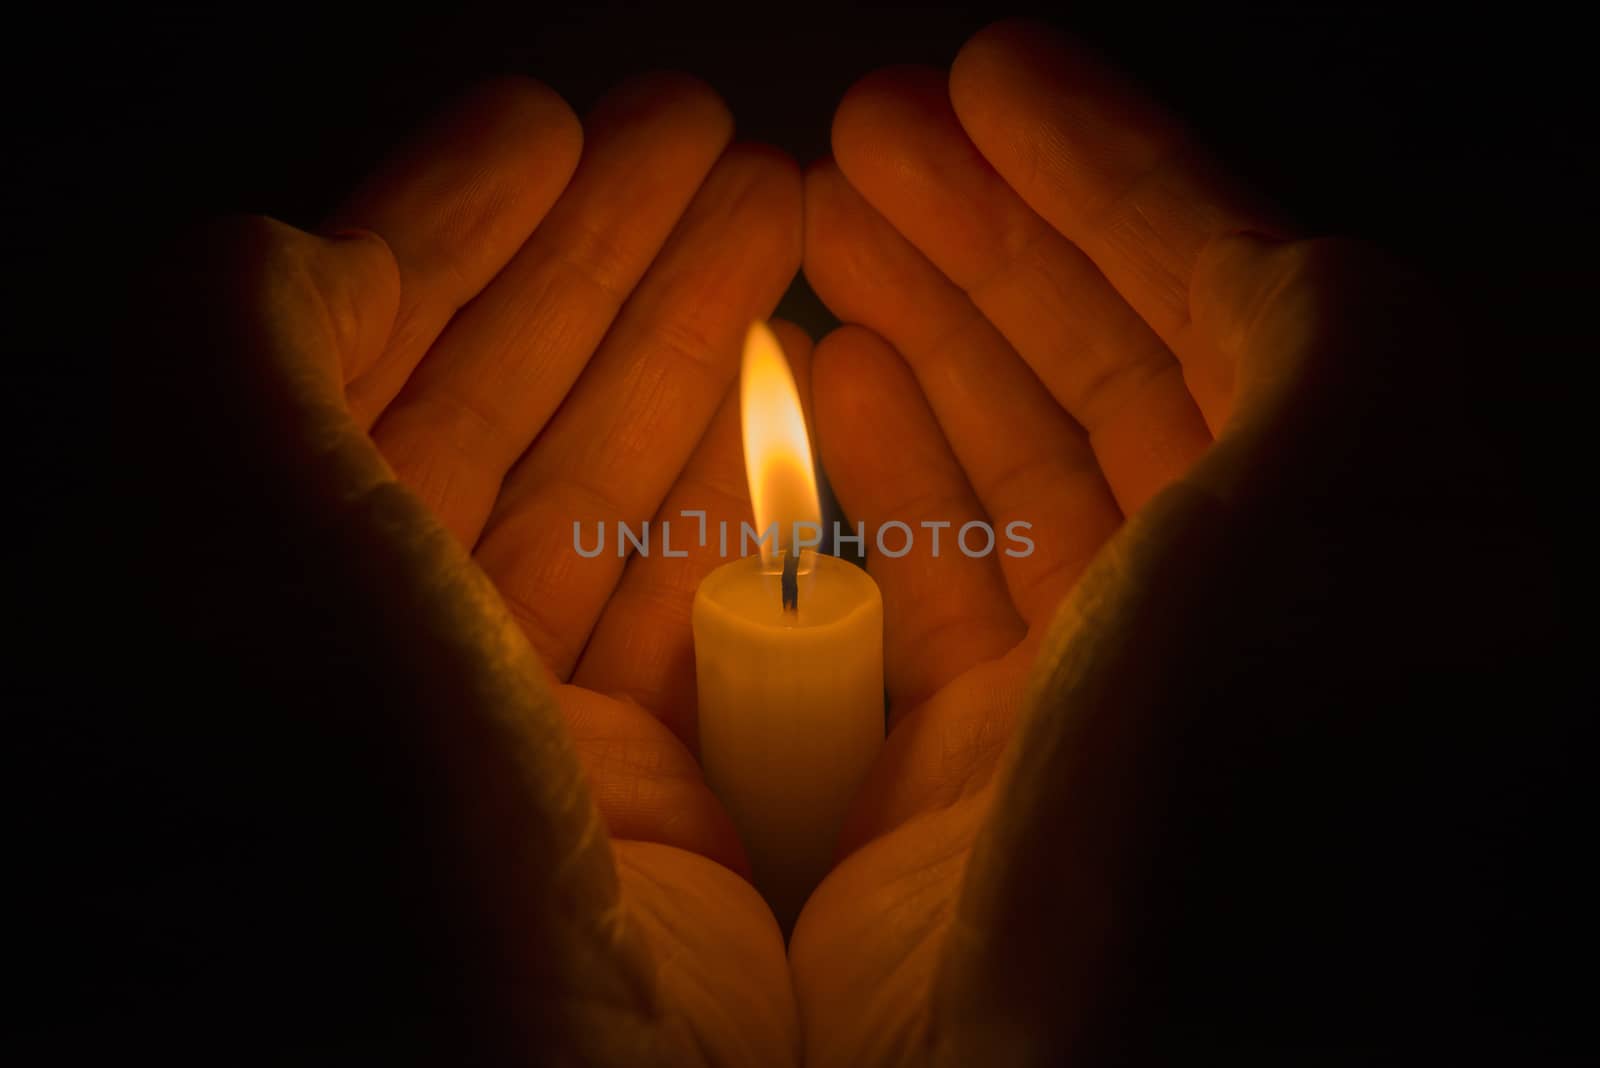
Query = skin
x=525 y=319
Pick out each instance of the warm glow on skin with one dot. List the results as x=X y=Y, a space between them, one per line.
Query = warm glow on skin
x=777 y=452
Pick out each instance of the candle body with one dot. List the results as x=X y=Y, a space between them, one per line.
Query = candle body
x=791 y=712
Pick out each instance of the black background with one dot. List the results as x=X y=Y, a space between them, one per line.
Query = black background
x=1461 y=140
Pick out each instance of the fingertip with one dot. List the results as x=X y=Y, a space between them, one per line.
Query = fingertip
x=1011 y=47
x=889 y=82
x=518 y=95
x=977 y=71
x=821 y=182
x=771 y=176
x=1014 y=73
x=877 y=105
x=795 y=341
x=1003 y=42
x=819 y=176
x=696 y=106
x=846 y=369
x=515 y=125
x=522 y=111
x=845 y=344
x=827 y=357
x=826 y=367
x=797 y=347
x=985 y=61
x=773 y=165
x=464 y=192
x=821 y=197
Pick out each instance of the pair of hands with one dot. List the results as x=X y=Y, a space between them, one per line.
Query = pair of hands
x=1053 y=315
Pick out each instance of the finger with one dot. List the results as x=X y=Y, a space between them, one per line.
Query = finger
x=454 y=205
x=889 y=462
x=624 y=433
x=1112 y=172
x=899 y=143
x=502 y=366
x=1026 y=459
x=642 y=648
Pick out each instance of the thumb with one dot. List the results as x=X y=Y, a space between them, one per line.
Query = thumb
x=363 y=632
x=319 y=309
x=269 y=323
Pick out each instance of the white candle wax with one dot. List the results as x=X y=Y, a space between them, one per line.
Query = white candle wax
x=791 y=711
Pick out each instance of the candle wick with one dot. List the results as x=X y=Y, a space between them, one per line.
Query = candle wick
x=791 y=583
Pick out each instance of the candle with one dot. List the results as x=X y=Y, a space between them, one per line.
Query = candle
x=788 y=650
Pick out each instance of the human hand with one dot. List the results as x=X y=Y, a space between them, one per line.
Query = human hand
x=638 y=944
x=525 y=325
x=1052 y=320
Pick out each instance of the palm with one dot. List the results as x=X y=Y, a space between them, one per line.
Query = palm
x=1020 y=350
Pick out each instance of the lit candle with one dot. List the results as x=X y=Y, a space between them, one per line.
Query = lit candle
x=788 y=648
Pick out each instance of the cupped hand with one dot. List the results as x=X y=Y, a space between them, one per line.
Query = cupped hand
x=1060 y=314
x=531 y=325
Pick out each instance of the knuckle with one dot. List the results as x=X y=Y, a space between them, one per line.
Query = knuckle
x=766 y=174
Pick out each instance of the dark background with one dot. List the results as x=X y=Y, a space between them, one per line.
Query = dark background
x=1461 y=140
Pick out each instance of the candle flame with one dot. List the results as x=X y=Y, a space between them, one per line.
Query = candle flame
x=777 y=451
